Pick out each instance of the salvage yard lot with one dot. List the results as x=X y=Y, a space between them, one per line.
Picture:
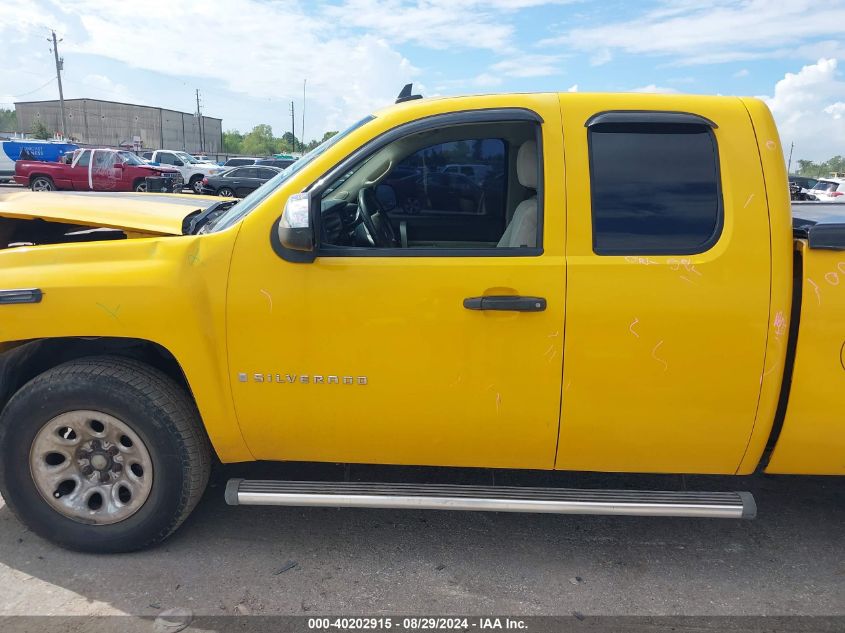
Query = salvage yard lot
x=310 y=561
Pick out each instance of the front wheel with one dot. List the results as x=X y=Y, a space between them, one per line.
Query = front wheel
x=102 y=454
x=226 y=192
x=196 y=184
x=42 y=183
x=141 y=186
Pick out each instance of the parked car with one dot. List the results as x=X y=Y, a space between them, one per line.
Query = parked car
x=91 y=170
x=647 y=323
x=192 y=170
x=240 y=161
x=281 y=163
x=238 y=182
x=803 y=181
x=829 y=190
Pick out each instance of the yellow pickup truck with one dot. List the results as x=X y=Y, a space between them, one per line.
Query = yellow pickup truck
x=599 y=282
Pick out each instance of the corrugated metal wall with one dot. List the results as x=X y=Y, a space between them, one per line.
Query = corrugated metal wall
x=96 y=122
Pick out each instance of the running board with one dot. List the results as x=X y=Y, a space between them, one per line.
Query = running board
x=724 y=505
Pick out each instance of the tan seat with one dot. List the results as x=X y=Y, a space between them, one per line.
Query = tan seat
x=522 y=229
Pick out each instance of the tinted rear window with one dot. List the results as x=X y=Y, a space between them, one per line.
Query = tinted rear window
x=655 y=188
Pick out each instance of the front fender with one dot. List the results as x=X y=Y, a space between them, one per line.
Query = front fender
x=170 y=291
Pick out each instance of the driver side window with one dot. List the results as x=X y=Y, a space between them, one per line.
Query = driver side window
x=466 y=187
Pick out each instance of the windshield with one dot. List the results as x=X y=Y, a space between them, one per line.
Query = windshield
x=186 y=157
x=245 y=206
x=130 y=159
x=825 y=185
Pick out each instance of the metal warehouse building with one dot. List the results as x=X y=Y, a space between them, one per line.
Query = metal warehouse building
x=97 y=122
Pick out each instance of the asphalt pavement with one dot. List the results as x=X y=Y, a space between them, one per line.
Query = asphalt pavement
x=305 y=561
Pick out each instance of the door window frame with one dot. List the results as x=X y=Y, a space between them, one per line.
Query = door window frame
x=640 y=117
x=451 y=119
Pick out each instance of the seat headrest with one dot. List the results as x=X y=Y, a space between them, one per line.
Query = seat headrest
x=526 y=164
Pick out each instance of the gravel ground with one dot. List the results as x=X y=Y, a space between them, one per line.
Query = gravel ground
x=304 y=561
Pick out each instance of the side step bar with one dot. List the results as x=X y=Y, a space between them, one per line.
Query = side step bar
x=724 y=505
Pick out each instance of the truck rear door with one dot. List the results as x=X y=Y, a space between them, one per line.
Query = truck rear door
x=668 y=272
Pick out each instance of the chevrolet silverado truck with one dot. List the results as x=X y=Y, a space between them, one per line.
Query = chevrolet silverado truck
x=192 y=169
x=623 y=295
x=91 y=170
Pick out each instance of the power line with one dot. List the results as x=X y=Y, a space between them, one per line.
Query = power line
x=49 y=81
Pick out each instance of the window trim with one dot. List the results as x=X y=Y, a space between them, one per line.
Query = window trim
x=648 y=116
x=638 y=118
x=450 y=119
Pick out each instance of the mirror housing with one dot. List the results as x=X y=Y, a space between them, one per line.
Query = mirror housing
x=295 y=234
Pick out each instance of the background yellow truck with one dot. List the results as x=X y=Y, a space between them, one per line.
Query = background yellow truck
x=614 y=286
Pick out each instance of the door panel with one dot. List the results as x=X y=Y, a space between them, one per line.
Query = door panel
x=376 y=360
x=664 y=353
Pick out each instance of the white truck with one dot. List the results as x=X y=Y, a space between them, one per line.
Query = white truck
x=192 y=170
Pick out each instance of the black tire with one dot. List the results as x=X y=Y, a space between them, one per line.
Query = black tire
x=162 y=415
x=140 y=185
x=226 y=192
x=42 y=183
x=196 y=184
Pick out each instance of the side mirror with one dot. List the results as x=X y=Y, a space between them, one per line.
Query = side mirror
x=386 y=196
x=295 y=233
x=118 y=165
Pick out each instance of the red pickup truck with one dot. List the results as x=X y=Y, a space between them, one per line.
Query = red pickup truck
x=93 y=170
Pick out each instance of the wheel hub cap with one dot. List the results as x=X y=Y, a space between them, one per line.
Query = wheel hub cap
x=91 y=467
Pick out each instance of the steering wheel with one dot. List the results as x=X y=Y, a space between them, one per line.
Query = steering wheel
x=382 y=233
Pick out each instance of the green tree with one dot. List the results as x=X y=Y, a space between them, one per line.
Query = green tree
x=8 y=120
x=39 y=130
x=291 y=142
x=260 y=141
x=820 y=170
x=327 y=136
x=232 y=142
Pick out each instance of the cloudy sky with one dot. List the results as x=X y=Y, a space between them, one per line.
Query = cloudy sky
x=249 y=57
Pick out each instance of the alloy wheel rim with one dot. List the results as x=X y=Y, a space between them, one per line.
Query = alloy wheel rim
x=91 y=467
x=41 y=185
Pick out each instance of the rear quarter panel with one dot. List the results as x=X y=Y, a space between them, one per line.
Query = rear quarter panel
x=812 y=440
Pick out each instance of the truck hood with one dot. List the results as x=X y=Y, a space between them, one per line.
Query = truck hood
x=156 y=214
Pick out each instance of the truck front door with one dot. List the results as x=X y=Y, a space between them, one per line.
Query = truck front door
x=391 y=350
x=668 y=278
x=80 y=171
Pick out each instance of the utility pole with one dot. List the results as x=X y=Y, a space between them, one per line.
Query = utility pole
x=292 y=127
x=60 y=64
x=199 y=120
x=789 y=162
x=302 y=130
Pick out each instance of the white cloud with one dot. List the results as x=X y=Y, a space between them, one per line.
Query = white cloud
x=528 y=66
x=602 y=57
x=349 y=74
x=836 y=110
x=717 y=31
x=808 y=108
x=572 y=88
x=741 y=73
x=652 y=88
x=486 y=80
